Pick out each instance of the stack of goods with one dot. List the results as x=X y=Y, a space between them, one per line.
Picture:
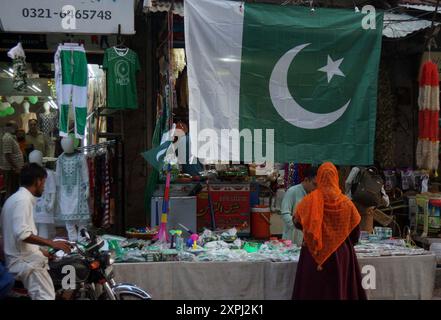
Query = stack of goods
x=383 y=233
x=209 y=246
x=234 y=173
x=371 y=249
x=142 y=233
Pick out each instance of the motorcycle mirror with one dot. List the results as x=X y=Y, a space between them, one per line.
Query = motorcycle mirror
x=85 y=234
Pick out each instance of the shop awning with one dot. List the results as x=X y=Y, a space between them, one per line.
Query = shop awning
x=395 y=25
x=163 y=6
x=401 y=25
x=420 y=7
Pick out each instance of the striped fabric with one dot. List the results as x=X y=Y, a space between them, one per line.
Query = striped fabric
x=428 y=103
x=106 y=215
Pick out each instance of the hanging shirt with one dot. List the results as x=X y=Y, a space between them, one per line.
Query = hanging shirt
x=45 y=205
x=48 y=122
x=17 y=224
x=122 y=66
x=72 y=176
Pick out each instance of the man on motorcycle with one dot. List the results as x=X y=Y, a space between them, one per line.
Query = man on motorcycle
x=24 y=258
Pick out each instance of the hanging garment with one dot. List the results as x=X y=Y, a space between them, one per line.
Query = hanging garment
x=91 y=95
x=122 y=66
x=48 y=122
x=98 y=187
x=45 y=205
x=106 y=192
x=113 y=185
x=427 y=151
x=18 y=57
x=91 y=168
x=73 y=183
x=71 y=79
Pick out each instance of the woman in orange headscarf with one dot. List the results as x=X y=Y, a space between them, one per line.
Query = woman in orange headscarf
x=328 y=267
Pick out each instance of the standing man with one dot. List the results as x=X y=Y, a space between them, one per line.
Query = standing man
x=24 y=258
x=292 y=197
x=11 y=158
x=37 y=138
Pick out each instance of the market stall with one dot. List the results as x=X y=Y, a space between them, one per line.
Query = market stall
x=397 y=277
x=222 y=266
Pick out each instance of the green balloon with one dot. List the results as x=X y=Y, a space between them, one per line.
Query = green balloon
x=10 y=111
x=33 y=99
x=3 y=113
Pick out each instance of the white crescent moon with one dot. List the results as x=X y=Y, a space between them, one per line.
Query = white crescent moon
x=285 y=104
x=160 y=153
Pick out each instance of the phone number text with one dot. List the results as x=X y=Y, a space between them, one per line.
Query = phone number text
x=77 y=14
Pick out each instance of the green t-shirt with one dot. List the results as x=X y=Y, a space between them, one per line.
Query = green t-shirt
x=122 y=66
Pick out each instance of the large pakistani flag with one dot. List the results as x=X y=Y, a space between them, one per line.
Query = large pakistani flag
x=311 y=77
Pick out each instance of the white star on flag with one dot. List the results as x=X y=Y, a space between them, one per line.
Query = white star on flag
x=332 y=68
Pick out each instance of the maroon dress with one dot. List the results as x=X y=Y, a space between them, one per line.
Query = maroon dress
x=340 y=278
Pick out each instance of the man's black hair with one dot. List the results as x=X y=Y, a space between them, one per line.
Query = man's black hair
x=31 y=173
x=311 y=172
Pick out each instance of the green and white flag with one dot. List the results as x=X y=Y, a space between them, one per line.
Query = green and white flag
x=305 y=80
x=157 y=156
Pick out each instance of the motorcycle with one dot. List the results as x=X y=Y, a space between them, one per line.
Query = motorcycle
x=93 y=275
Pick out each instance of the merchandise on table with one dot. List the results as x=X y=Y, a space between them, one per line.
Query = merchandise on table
x=210 y=247
x=383 y=232
x=142 y=233
x=370 y=249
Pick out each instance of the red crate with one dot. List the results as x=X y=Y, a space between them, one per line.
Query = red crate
x=231 y=205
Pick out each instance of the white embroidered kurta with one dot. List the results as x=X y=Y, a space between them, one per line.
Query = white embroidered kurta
x=72 y=177
x=45 y=206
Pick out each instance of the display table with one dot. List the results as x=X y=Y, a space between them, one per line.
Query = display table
x=404 y=277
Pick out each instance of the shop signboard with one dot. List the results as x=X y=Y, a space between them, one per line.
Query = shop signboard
x=67 y=16
x=231 y=203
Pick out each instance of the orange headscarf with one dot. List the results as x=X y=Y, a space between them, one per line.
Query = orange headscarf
x=326 y=215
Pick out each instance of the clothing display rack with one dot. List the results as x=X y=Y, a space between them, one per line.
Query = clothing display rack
x=119 y=225
x=97 y=146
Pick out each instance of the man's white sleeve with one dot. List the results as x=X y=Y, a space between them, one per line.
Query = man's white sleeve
x=22 y=220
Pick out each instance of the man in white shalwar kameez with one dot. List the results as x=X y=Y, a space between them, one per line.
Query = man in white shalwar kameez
x=24 y=258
